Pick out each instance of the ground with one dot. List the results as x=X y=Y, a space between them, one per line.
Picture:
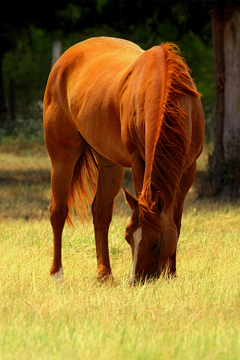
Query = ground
x=196 y=316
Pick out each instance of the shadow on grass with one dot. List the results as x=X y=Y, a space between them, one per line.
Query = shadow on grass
x=11 y=178
x=26 y=194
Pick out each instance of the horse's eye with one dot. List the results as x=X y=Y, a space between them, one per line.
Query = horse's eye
x=155 y=245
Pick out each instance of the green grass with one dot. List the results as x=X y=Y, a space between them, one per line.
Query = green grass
x=196 y=316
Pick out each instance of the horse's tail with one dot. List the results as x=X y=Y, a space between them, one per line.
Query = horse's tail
x=83 y=186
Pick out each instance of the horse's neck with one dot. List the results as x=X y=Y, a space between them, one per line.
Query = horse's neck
x=156 y=119
x=153 y=100
x=140 y=94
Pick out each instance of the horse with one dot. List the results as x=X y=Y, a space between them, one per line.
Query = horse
x=110 y=105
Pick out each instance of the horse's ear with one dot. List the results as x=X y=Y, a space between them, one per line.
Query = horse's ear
x=132 y=202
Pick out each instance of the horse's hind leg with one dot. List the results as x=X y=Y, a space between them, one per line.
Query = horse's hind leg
x=110 y=177
x=64 y=158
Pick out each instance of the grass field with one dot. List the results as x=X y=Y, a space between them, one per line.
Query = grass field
x=196 y=316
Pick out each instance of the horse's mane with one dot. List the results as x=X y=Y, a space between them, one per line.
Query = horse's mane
x=172 y=143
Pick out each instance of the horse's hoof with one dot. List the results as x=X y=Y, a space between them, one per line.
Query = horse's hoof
x=105 y=278
x=57 y=277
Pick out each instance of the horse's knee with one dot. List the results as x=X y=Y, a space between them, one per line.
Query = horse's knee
x=102 y=214
x=58 y=213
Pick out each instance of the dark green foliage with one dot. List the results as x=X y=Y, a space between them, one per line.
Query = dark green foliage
x=29 y=28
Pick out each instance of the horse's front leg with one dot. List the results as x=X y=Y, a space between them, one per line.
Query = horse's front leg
x=138 y=169
x=110 y=177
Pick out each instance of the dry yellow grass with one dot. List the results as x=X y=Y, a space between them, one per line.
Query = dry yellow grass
x=196 y=316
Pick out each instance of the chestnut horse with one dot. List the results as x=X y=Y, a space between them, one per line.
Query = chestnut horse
x=109 y=105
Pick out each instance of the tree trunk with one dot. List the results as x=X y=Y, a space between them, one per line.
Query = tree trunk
x=12 y=104
x=231 y=131
x=224 y=164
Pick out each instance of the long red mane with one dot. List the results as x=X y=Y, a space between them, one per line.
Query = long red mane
x=172 y=145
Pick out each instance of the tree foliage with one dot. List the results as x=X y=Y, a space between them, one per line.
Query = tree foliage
x=27 y=30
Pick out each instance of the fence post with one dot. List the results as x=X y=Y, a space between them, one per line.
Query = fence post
x=56 y=51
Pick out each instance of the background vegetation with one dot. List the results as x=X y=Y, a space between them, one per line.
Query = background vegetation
x=28 y=31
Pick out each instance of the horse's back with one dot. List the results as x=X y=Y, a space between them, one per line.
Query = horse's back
x=104 y=43
x=98 y=54
x=94 y=56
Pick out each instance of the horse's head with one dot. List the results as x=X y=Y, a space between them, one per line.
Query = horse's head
x=151 y=246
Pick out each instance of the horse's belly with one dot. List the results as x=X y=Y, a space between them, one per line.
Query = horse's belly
x=115 y=157
x=106 y=142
